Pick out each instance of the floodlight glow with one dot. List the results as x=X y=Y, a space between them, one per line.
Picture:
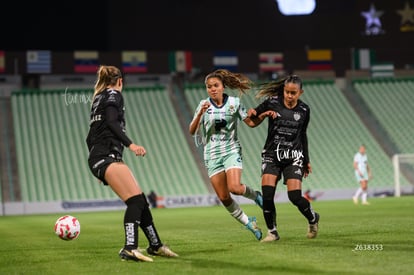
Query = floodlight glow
x=296 y=7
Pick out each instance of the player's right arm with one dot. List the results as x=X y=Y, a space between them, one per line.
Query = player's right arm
x=201 y=109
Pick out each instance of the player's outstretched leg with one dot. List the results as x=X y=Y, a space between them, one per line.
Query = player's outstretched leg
x=259 y=199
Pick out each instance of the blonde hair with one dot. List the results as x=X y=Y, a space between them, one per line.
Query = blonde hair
x=231 y=80
x=106 y=75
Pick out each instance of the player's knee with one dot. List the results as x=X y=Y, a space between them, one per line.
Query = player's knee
x=137 y=200
x=236 y=189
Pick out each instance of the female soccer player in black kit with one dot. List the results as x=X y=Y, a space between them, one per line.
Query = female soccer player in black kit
x=285 y=152
x=106 y=141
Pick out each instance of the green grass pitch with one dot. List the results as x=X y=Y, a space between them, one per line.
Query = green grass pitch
x=353 y=239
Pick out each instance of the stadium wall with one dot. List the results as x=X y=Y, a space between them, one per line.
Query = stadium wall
x=27 y=208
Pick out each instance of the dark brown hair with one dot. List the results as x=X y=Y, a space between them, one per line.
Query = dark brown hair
x=276 y=87
x=231 y=80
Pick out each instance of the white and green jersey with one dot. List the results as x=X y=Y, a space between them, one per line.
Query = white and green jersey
x=218 y=127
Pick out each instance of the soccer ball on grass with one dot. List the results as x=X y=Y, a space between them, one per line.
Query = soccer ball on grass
x=67 y=228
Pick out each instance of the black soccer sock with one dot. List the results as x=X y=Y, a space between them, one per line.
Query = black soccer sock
x=302 y=204
x=147 y=225
x=132 y=218
x=269 y=208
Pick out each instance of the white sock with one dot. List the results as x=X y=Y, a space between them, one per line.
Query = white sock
x=364 y=196
x=358 y=192
x=237 y=213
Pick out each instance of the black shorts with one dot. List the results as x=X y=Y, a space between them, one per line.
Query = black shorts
x=99 y=166
x=100 y=157
x=288 y=170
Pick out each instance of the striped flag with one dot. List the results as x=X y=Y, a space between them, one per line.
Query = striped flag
x=134 y=61
x=2 y=62
x=319 y=59
x=38 y=62
x=363 y=58
x=86 y=61
x=180 y=61
x=226 y=60
x=270 y=62
x=382 y=70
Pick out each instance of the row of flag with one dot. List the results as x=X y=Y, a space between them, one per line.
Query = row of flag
x=40 y=62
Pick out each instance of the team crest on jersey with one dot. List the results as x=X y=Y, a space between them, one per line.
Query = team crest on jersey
x=296 y=116
x=231 y=109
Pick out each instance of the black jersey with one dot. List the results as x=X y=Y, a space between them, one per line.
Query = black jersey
x=286 y=135
x=107 y=121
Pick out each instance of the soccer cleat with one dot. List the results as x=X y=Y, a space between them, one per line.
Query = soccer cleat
x=259 y=199
x=271 y=237
x=355 y=199
x=164 y=251
x=365 y=203
x=313 y=228
x=134 y=255
x=252 y=226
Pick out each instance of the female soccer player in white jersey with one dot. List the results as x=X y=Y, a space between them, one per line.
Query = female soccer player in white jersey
x=216 y=119
x=362 y=175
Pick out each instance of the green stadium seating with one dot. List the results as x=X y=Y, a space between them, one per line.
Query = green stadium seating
x=51 y=127
x=335 y=133
x=390 y=100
